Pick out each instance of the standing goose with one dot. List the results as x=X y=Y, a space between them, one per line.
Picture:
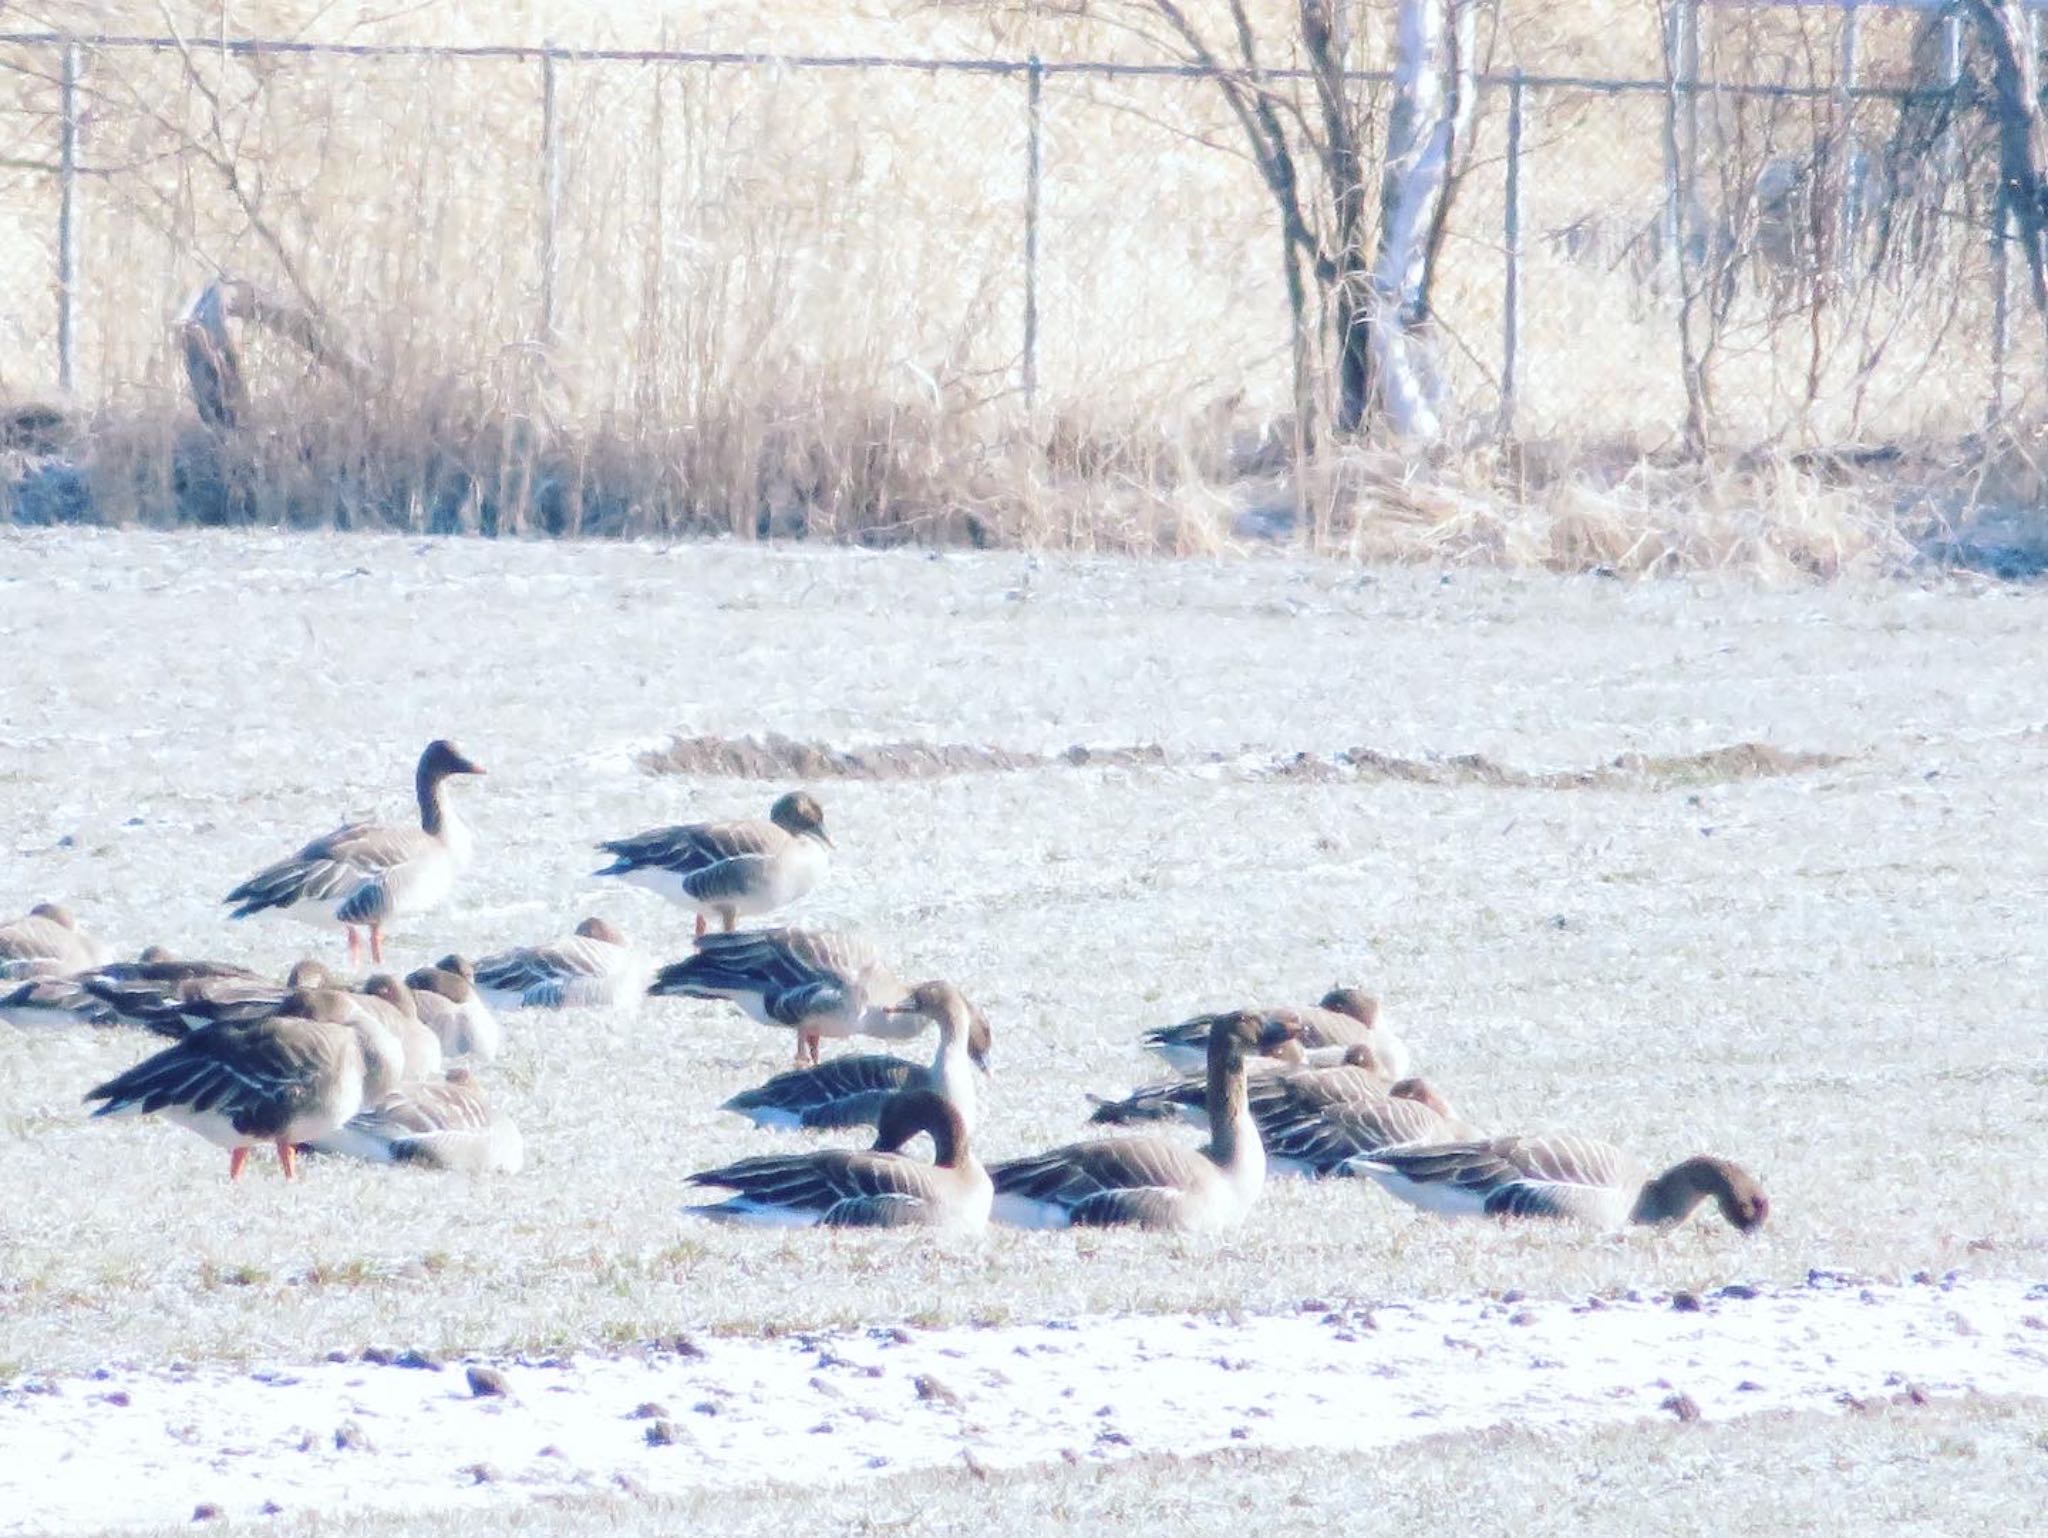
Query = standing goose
x=593 y=969
x=1150 y=1180
x=1563 y=1176
x=877 y=1187
x=1303 y=1138
x=1346 y=1018
x=48 y=940
x=287 y=1079
x=449 y=1005
x=851 y=1091
x=448 y=1124
x=734 y=870
x=367 y=874
x=813 y=982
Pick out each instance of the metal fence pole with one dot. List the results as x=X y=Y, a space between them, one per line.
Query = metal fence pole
x=2001 y=303
x=1682 y=41
x=67 y=220
x=1845 y=207
x=551 y=192
x=1511 y=219
x=1034 y=179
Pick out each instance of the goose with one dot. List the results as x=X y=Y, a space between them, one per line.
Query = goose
x=1346 y=1018
x=1279 y=1075
x=449 y=1005
x=46 y=938
x=731 y=869
x=877 y=1187
x=1304 y=1138
x=851 y=1091
x=1149 y=1180
x=814 y=982
x=52 y=999
x=594 y=968
x=286 y=1079
x=367 y=874
x=1563 y=1176
x=390 y=1003
x=449 y=1124
x=173 y=1006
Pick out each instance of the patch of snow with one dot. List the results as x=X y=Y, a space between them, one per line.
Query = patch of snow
x=128 y=1447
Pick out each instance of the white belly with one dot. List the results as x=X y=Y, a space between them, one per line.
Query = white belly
x=1436 y=1196
x=1024 y=1212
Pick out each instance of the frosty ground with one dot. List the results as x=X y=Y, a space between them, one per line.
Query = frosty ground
x=1820 y=956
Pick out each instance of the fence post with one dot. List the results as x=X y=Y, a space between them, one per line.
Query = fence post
x=2001 y=303
x=1511 y=218
x=1034 y=177
x=551 y=191
x=1846 y=202
x=67 y=220
x=1951 y=149
x=1683 y=59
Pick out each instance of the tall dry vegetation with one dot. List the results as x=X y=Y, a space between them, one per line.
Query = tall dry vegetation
x=790 y=302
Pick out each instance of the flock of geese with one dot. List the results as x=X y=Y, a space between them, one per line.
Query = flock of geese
x=381 y=1071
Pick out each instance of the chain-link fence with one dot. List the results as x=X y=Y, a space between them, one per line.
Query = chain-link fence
x=640 y=234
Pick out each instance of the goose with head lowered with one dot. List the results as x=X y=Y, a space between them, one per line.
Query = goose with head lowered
x=446 y=999
x=363 y=876
x=172 y=997
x=850 y=1091
x=1566 y=1176
x=730 y=870
x=811 y=981
x=1303 y=1138
x=1149 y=1180
x=877 y=1187
x=595 y=968
x=289 y=1078
x=1345 y=1026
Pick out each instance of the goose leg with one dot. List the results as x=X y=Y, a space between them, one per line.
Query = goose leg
x=376 y=942
x=732 y=921
x=355 y=945
x=288 y=1156
x=236 y=1159
x=701 y=926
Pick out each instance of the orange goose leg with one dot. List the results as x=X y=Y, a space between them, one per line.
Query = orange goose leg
x=701 y=926
x=236 y=1159
x=288 y=1156
x=355 y=945
x=732 y=921
x=376 y=942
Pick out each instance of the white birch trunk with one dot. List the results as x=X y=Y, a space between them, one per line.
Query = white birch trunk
x=1434 y=92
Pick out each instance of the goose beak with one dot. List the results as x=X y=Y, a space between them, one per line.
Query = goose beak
x=980 y=1060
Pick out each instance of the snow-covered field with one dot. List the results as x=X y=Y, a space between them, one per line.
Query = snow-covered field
x=1832 y=974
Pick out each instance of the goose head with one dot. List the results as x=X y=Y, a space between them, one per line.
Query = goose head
x=443 y=758
x=907 y=1113
x=388 y=988
x=156 y=955
x=56 y=913
x=308 y=974
x=1355 y=1002
x=1234 y=1034
x=598 y=929
x=1423 y=1093
x=947 y=1007
x=441 y=979
x=798 y=814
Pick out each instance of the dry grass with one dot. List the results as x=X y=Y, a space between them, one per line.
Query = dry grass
x=791 y=302
x=1927 y=1471
x=1827 y=975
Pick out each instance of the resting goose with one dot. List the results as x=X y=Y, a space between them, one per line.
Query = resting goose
x=1303 y=1138
x=390 y=1003
x=593 y=969
x=449 y=1005
x=449 y=1124
x=731 y=869
x=1150 y=1180
x=851 y=1091
x=287 y=1079
x=1563 y=1176
x=55 y=999
x=48 y=939
x=1346 y=1018
x=367 y=874
x=813 y=982
x=878 y=1187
